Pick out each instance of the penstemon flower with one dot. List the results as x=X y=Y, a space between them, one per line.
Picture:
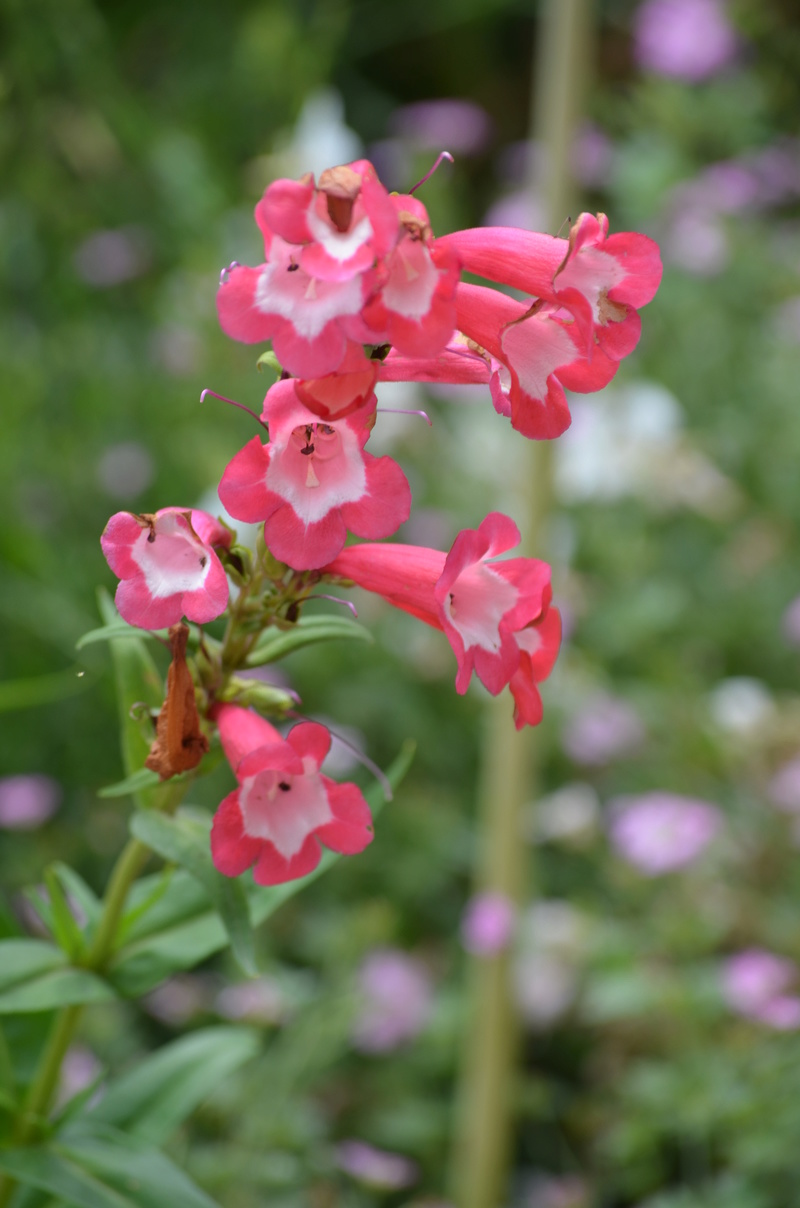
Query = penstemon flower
x=496 y=615
x=313 y=482
x=167 y=566
x=283 y=807
x=355 y=291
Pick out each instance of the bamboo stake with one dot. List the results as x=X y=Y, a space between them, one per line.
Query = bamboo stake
x=485 y=1120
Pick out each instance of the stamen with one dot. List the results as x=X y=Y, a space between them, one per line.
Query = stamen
x=223 y=277
x=363 y=759
x=442 y=155
x=336 y=600
x=233 y=403
x=402 y=411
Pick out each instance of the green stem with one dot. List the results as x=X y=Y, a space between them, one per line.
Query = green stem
x=130 y=863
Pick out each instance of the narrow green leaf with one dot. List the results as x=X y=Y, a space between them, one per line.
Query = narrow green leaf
x=66 y=931
x=75 y=885
x=132 y=785
x=137 y=682
x=184 y=840
x=56 y=988
x=21 y=960
x=117 y=629
x=158 y=1094
x=108 y=1171
x=306 y=632
x=139 y=1176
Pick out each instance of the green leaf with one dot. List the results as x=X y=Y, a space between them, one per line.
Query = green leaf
x=117 y=629
x=132 y=785
x=184 y=840
x=66 y=931
x=75 y=885
x=155 y=1097
x=56 y=988
x=137 y=681
x=21 y=960
x=108 y=1171
x=305 y=632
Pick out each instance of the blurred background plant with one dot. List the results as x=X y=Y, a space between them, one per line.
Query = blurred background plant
x=658 y=972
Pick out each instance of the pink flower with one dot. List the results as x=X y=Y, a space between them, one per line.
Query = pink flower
x=27 y=800
x=167 y=566
x=603 y=729
x=659 y=832
x=313 y=482
x=488 y=923
x=688 y=39
x=533 y=353
x=344 y=262
x=496 y=615
x=376 y=1167
x=283 y=807
x=395 y=1000
x=601 y=280
x=784 y=787
x=754 y=983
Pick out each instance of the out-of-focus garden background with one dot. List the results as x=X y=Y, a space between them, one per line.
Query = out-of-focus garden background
x=657 y=971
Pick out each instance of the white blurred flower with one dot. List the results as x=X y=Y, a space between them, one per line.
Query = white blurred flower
x=571 y=814
x=741 y=704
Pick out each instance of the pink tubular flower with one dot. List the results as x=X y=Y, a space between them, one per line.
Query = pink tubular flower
x=495 y=615
x=313 y=482
x=344 y=262
x=534 y=352
x=167 y=566
x=283 y=807
x=600 y=279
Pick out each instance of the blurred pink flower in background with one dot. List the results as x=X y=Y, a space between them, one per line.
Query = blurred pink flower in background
x=396 y=997
x=377 y=1167
x=125 y=469
x=79 y=1069
x=451 y=124
x=784 y=787
x=557 y=1191
x=754 y=984
x=107 y=258
x=26 y=801
x=179 y=999
x=260 y=1001
x=488 y=923
x=603 y=729
x=697 y=242
x=659 y=832
x=592 y=156
x=688 y=39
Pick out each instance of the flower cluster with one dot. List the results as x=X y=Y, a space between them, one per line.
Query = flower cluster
x=354 y=291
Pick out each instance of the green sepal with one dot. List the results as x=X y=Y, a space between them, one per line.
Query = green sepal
x=268 y=360
x=184 y=840
x=264 y=697
x=305 y=632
